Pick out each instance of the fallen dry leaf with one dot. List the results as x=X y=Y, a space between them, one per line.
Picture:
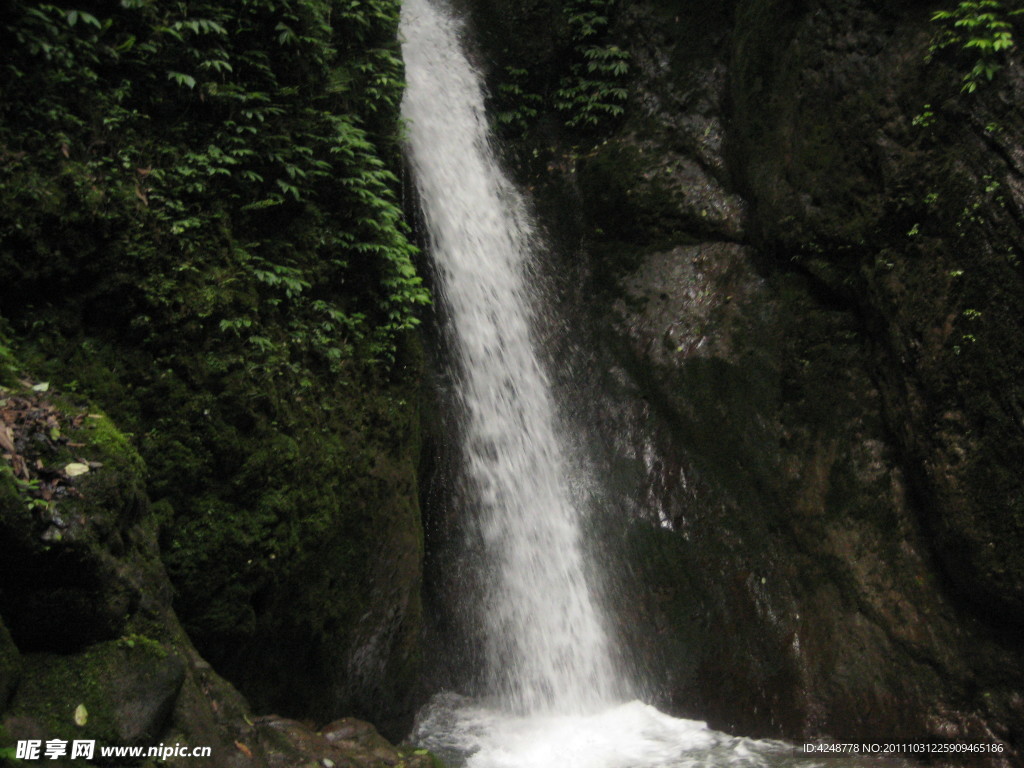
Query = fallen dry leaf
x=18 y=464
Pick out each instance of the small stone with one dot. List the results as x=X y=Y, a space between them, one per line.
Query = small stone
x=348 y=728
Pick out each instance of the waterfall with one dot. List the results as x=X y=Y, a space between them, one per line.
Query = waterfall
x=548 y=657
x=546 y=648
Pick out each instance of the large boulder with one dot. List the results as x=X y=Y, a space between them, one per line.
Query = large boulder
x=95 y=650
x=121 y=692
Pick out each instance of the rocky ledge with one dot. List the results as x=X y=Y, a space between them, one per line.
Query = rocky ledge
x=90 y=646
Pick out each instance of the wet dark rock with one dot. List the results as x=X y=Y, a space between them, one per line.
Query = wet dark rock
x=128 y=693
x=96 y=650
x=10 y=665
x=348 y=728
x=64 y=580
x=346 y=743
x=687 y=302
x=806 y=396
x=646 y=193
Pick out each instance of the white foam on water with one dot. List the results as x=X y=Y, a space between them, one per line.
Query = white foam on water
x=631 y=735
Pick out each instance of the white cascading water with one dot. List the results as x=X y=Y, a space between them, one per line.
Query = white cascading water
x=546 y=647
x=548 y=656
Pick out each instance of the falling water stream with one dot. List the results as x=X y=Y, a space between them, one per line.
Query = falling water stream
x=554 y=698
x=546 y=648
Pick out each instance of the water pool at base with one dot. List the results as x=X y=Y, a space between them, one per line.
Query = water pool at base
x=469 y=734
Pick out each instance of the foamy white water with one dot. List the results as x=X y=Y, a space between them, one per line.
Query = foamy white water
x=622 y=736
x=634 y=735
x=546 y=647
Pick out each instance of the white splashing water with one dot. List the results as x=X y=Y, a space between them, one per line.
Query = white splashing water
x=623 y=736
x=634 y=735
x=546 y=647
x=548 y=656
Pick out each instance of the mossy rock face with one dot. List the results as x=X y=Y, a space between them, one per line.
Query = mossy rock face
x=250 y=329
x=84 y=593
x=88 y=569
x=286 y=496
x=126 y=690
x=334 y=610
x=64 y=584
x=290 y=528
x=10 y=666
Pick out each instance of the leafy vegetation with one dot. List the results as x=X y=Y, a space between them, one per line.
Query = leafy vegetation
x=589 y=87
x=981 y=28
x=594 y=89
x=214 y=144
x=201 y=230
x=519 y=107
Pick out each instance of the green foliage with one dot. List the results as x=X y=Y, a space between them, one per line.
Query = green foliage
x=519 y=107
x=981 y=28
x=587 y=88
x=200 y=225
x=242 y=154
x=8 y=364
x=925 y=119
x=27 y=490
x=594 y=89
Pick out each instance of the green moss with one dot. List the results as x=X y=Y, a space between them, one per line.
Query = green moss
x=10 y=667
x=57 y=685
x=286 y=517
x=8 y=364
x=11 y=500
x=124 y=695
x=421 y=757
x=154 y=647
x=114 y=449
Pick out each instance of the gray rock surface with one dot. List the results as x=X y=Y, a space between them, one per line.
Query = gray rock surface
x=806 y=369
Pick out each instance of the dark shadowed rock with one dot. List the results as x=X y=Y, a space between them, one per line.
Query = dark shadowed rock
x=807 y=394
x=10 y=665
x=128 y=693
x=345 y=743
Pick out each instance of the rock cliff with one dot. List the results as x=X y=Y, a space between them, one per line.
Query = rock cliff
x=799 y=252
